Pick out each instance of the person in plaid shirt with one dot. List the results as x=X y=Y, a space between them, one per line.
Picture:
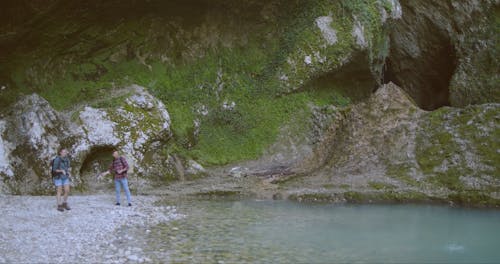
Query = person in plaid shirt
x=119 y=167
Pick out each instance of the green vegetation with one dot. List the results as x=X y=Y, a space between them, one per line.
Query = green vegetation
x=401 y=172
x=110 y=102
x=386 y=196
x=474 y=198
x=302 y=38
x=463 y=198
x=316 y=197
x=219 y=194
x=476 y=82
x=485 y=144
x=449 y=131
x=436 y=149
x=329 y=186
x=381 y=185
x=167 y=50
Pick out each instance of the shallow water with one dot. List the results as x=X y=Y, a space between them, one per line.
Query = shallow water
x=288 y=232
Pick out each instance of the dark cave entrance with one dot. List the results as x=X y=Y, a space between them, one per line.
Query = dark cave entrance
x=97 y=161
x=427 y=81
x=422 y=59
x=354 y=80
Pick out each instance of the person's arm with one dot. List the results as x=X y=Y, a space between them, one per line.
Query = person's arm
x=106 y=172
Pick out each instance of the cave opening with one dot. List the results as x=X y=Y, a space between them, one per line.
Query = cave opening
x=426 y=79
x=422 y=56
x=354 y=80
x=97 y=161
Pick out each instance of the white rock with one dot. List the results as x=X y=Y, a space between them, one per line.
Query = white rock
x=308 y=60
x=140 y=100
x=99 y=129
x=319 y=58
x=5 y=167
x=284 y=77
x=397 y=10
x=228 y=106
x=324 y=25
x=165 y=115
x=358 y=33
x=141 y=140
x=194 y=168
x=202 y=110
x=238 y=172
x=37 y=121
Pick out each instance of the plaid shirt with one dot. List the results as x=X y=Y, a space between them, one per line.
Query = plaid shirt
x=119 y=164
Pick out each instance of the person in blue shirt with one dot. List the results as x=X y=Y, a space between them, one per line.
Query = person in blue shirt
x=60 y=169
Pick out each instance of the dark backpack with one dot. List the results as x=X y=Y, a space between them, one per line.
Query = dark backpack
x=52 y=171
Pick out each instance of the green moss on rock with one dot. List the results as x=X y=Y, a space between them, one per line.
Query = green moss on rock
x=381 y=185
x=455 y=143
x=170 y=49
x=401 y=172
x=474 y=198
x=386 y=197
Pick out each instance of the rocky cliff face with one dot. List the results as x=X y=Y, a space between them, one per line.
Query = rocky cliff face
x=443 y=52
x=277 y=87
x=391 y=137
x=388 y=148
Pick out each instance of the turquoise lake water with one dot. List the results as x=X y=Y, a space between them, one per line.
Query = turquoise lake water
x=289 y=232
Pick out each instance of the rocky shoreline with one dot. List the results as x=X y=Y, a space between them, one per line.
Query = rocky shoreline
x=95 y=230
x=314 y=189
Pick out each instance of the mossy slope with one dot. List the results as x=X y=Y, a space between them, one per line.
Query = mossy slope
x=198 y=57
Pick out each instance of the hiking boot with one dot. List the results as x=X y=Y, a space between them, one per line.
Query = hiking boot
x=65 y=206
x=117 y=204
x=129 y=204
x=60 y=208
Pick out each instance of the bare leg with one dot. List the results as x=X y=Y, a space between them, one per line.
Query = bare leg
x=66 y=192
x=58 y=196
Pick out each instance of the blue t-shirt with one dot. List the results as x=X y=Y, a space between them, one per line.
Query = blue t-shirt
x=61 y=163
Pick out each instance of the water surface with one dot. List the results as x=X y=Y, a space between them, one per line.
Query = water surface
x=289 y=232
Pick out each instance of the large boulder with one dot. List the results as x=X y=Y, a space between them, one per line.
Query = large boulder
x=32 y=132
x=368 y=135
x=138 y=126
